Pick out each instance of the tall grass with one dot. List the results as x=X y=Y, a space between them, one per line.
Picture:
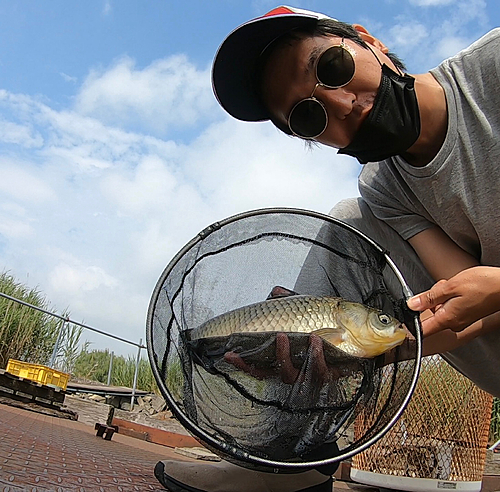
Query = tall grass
x=94 y=365
x=30 y=336
x=25 y=334
x=69 y=348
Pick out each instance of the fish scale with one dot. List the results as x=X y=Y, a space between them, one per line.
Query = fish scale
x=352 y=327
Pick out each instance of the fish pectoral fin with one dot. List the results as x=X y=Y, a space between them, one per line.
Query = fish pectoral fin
x=335 y=336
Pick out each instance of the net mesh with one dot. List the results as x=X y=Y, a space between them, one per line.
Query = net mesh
x=442 y=434
x=258 y=417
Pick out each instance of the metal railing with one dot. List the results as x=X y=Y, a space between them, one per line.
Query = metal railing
x=66 y=320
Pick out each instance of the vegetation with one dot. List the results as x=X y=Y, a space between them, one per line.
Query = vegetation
x=25 y=334
x=30 y=336
x=94 y=365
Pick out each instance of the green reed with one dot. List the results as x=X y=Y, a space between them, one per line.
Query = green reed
x=94 y=365
x=25 y=334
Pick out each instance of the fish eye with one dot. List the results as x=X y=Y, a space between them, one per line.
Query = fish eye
x=384 y=319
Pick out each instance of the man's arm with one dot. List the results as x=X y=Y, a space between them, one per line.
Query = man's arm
x=466 y=298
x=441 y=256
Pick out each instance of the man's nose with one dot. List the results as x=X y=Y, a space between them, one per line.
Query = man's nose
x=339 y=102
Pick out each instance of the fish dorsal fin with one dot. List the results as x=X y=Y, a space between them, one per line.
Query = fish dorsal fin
x=278 y=291
x=335 y=336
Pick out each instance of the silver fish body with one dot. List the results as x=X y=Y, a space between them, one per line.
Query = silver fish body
x=352 y=327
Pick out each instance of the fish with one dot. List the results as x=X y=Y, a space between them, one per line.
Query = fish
x=352 y=327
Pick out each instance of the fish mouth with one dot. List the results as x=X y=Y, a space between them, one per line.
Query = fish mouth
x=395 y=329
x=401 y=332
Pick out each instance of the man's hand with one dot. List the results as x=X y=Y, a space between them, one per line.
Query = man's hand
x=284 y=367
x=465 y=298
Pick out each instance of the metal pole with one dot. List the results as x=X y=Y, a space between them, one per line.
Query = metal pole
x=68 y=320
x=56 y=345
x=111 y=355
x=492 y=448
x=136 y=374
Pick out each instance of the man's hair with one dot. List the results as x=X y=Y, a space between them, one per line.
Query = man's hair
x=324 y=27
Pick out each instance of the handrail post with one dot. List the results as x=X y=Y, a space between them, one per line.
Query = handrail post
x=134 y=386
x=111 y=355
x=56 y=345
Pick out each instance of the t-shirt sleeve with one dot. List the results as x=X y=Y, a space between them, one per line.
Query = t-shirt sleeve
x=391 y=199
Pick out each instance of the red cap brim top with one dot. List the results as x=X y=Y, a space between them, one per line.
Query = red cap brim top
x=233 y=70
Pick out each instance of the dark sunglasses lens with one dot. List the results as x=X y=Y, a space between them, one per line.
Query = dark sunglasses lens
x=335 y=67
x=308 y=119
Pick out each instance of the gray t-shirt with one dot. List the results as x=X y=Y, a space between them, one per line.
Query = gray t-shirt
x=459 y=190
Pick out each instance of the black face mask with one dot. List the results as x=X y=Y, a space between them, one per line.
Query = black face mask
x=393 y=124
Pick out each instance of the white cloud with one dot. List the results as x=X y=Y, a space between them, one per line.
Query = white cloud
x=252 y=164
x=431 y=3
x=13 y=133
x=464 y=13
x=14 y=228
x=68 y=78
x=149 y=186
x=24 y=182
x=438 y=33
x=76 y=279
x=403 y=35
x=450 y=46
x=94 y=212
x=107 y=8
x=168 y=93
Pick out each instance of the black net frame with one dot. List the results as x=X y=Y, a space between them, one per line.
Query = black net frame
x=218 y=270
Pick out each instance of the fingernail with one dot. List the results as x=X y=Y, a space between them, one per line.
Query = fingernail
x=414 y=302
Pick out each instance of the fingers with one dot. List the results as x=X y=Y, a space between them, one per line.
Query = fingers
x=288 y=373
x=441 y=319
x=320 y=367
x=237 y=361
x=285 y=368
x=432 y=298
x=456 y=303
x=441 y=300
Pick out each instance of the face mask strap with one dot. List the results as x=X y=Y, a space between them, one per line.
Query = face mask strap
x=382 y=64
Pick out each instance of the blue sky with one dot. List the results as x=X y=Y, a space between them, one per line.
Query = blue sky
x=114 y=152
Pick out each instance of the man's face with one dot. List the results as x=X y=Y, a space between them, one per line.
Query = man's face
x=289 y=76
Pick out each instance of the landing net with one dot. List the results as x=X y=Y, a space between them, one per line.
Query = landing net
x=258 y=417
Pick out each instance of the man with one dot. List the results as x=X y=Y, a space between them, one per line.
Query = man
x=430 y=184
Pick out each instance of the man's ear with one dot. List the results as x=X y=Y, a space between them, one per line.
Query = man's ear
x=371 y=40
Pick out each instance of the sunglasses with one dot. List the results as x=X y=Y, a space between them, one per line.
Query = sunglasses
x=334 y=68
